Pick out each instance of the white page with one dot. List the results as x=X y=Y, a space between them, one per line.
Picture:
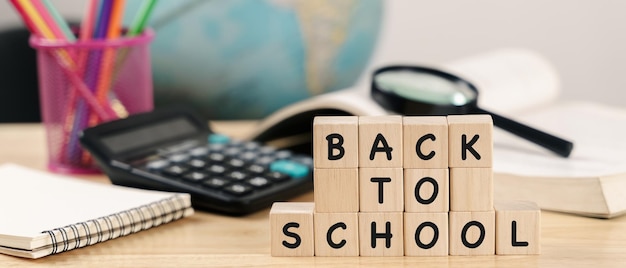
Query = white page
x=33 y=201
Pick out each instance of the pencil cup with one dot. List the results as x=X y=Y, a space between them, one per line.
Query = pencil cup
x=86 y=83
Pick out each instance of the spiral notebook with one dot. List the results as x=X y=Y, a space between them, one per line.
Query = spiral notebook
x=43 y=213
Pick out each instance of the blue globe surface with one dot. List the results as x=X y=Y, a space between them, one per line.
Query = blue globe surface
x=239 y=59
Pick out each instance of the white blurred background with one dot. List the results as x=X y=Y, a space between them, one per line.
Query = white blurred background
x=584 y=39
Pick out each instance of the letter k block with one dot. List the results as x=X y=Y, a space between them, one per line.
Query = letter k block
x=336 y=141
x=470 y=141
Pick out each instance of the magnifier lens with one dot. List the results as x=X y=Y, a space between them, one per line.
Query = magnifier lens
x=425 y=87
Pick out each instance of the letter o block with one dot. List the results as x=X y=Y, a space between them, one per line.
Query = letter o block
x=336 y=141
x=472 y=233
x=291 y=225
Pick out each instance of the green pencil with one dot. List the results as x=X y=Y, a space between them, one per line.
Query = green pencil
x=140 y=20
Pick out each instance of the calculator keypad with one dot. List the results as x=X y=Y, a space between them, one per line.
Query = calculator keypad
x=233 y=167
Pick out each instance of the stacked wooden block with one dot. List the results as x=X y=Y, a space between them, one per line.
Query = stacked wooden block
x=394 y=186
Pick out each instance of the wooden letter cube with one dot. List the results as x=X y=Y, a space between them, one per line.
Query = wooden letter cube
x=518 y=228
x=471 y=189
x=335 y=141
x=470 y=141
x=425 y=141
x=381 y=234
x=291 y=225
x=472 y=233
x=336 y=234
x=336 y=190
x=426 y=190
x=380 y=141
x=381 y=189
x=426 y=234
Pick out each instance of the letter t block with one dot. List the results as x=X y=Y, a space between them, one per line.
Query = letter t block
x=336 y=141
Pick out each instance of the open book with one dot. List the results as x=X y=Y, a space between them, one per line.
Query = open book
x=523 y=86
x=44 y=214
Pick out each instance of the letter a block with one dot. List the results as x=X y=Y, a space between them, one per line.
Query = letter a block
x=470 y=141
x=336 y=189
x=472 y=233
x=291 y=226
x=518 y=226
x=335 y=141
x=381 y=234
x=336 y=234
x=425 y=141
x=380 y=141
x=426 y=234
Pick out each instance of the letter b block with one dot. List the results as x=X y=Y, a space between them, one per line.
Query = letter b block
x=470 y=141
x=335 y=141
x=291 y=225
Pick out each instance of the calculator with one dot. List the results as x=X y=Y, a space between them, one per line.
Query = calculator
x=173 y=149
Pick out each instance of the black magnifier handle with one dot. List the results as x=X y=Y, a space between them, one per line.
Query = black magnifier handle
x=550 y=142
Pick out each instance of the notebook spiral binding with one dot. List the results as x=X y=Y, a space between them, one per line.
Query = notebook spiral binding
x=123 y=223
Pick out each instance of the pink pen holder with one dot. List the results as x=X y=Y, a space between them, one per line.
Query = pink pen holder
x=86 y=83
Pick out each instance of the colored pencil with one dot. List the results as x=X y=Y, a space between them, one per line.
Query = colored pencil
x=141 y=18
x=20 y=10
x=60 y=22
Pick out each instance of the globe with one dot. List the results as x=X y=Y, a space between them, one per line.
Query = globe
x=244 y=59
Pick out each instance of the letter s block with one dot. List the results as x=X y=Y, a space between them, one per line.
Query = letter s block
x=336 y=141
x=470 y=141
x=291 y=225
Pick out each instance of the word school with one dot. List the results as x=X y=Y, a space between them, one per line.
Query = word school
x=412 y=186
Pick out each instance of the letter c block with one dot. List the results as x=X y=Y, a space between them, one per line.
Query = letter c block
x=336 y=234
x=336 y=141
x=291 y=231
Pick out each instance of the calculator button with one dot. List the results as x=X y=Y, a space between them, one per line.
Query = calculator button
x=195 y=176
x=237 y=175
x=197 y=163
x=283 y=154
x=265 y=160
x=215 y=183
x=233 y=151
x=257 y=169
x=252 y=145
x=259 y=182
x=216 y=147
x=266 y=150
x=277 y=176
x=238 y=189
x=236 y=163
x=157 y=164
x=218 y=139
x=216 y=169
x=291 y=168
x=178 y=158
x=249 y=156
x=305 y=160
x=199 y=151
x=217 y=157
x=175 y=170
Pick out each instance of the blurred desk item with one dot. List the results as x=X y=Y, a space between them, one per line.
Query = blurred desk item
x=206 y=239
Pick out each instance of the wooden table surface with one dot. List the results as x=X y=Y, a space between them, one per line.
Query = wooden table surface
x=206 y=239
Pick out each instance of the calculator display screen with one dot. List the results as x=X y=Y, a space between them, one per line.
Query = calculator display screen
x=149 y=134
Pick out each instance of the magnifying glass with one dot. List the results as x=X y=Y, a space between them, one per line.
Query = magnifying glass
x=414 y=90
